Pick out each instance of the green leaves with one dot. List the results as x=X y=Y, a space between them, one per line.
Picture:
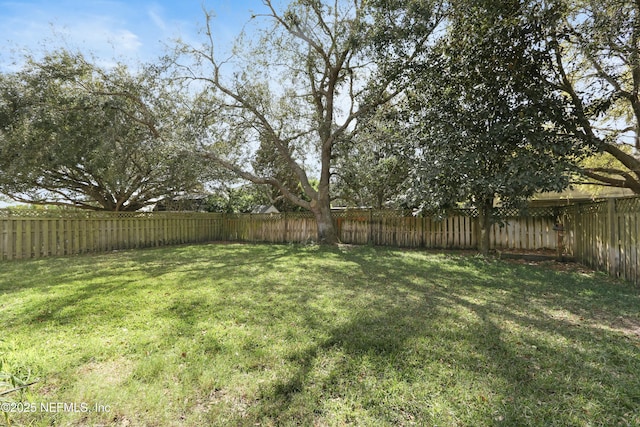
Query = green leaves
x=483 y=117
x=372 y=165
x=72 y=133
x=596 y=66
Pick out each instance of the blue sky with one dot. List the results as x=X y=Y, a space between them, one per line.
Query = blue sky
x=127 y=30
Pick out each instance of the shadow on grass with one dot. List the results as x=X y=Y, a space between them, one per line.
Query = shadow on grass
x=463 y=341
x=76 y=289
x=368 y=335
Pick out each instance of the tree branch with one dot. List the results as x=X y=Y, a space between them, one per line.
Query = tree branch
x=604 y=175
x=258 y=180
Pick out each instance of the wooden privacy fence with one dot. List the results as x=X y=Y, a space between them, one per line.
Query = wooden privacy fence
x=270 y=228
x=457 y=231
x=393 y=228
x=606 y=236
x=35 y=234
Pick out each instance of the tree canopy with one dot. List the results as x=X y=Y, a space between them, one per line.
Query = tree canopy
x=371 y=168
x=75 y=134
x=436 y=103
x=301 y=89
x=595 y=64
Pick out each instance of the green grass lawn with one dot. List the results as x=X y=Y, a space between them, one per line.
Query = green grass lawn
x=294 y=335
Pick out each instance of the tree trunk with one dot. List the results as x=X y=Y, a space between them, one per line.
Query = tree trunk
x=485 y=210
x=321 y=208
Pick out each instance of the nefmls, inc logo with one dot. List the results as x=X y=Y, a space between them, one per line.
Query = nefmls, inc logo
x=64 y=407
x=73 y=407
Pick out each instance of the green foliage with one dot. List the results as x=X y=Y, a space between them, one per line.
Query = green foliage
x=371 y=167
x=269 y=162
x=243 y=198
x=484 y=121
x=14 y=382
x=595 y=65
x=240 y=199
x=72 y=133
x=599 y=161
x=402 y=29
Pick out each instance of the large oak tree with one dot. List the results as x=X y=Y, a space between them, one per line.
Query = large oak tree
x=75 y=134
x=314 y=72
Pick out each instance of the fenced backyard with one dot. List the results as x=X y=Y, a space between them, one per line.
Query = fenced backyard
x=35 y=234
x=602 y=235
x=268 y=334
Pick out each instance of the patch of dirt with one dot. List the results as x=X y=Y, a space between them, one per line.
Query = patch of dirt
x=110 y=372
x=237 y=404
x=545 y=252
x=626 y=325
x=552 y=264
x=629 y=326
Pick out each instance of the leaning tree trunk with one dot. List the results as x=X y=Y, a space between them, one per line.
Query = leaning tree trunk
x=485 y=211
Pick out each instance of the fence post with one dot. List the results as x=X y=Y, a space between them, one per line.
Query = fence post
x=370 y=237
x=224 y=228
x=476 y=224
x=286 y=227
x=614 y=252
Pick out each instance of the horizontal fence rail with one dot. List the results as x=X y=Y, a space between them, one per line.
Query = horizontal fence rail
x=603 y=235
x=393 y=228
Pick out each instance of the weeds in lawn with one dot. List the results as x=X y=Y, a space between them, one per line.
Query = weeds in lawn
x=14 y=382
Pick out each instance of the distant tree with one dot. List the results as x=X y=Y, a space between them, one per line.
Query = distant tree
x=244 y=198
x=598 y=161
x=484 y=123
x=371 y=167
x=268 y=162
x=237 y=199
x=75 y=134
x=303 y=87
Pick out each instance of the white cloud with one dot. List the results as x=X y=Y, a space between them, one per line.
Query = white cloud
x=155 y=13
x=106 y=30
x=103 y=35
x=110 y=30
